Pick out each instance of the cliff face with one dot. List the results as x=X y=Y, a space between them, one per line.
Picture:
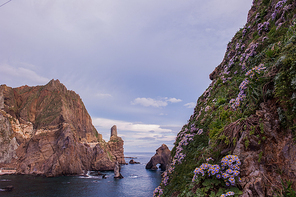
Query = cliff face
x=241 y=137
x=47 y=130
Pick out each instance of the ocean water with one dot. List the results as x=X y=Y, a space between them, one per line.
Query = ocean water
x=137 y=182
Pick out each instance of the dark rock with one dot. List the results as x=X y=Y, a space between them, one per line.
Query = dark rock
x=162 y=157
x=7 y=188
x=133 y=162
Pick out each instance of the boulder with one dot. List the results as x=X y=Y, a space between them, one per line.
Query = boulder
x=162 y=157
x=133 y=162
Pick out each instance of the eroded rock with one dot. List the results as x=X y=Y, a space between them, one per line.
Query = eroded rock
x=162 y=157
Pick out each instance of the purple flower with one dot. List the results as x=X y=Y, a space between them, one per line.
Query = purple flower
x=157 y=192
x=237 y=46
x=280 y=4
x=230 y=193
x=244 y=32
x=200 y=131
x=273 y=15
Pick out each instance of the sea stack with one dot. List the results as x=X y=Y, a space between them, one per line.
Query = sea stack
x=113 y=131
x=116 y=146
x=117 y=174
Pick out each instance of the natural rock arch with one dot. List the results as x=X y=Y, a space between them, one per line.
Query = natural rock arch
x=162 y=157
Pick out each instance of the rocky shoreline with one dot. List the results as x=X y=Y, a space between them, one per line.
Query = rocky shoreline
x=46 y=130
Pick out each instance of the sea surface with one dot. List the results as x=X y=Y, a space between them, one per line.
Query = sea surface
x=137 y=181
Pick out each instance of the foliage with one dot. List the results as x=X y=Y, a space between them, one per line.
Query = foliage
x=259 y=65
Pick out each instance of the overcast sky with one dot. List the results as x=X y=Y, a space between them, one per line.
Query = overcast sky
x=137 y=64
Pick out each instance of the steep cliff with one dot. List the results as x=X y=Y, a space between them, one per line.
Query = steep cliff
x=47 y=130
x=240 y=141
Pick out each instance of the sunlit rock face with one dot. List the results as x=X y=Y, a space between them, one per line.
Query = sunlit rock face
x=162 y=157
x=47 y=130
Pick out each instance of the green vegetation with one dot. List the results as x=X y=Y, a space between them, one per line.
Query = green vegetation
x=265 y=61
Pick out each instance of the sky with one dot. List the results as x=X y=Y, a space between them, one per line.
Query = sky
x=137 y=64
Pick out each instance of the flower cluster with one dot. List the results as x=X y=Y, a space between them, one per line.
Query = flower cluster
x=224 y=79
x=229 y=171
x=256 y=69
x=243 y=47
x=231 y=162
x=241 y=95
x=230 y=193
x=235 y=103
x=207 y=108
x=250 y=52
x=237 y=46
x=244 y=32
x=157 y=192
x=278 y=6
x=264 y=25
x=244 y=66
x=179 y=156
x=200 y=131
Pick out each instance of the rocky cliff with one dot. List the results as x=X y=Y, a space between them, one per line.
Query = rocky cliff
x=47 y=130
x=240 y=140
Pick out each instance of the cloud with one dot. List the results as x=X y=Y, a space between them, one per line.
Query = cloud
x=127 y=126
x=20 y=75
x=149 y=102
x=162 y=102
x=190 y=105
x=174 y=100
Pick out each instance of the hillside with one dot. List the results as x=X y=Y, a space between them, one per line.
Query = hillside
x=47 y=130
x=240 y=140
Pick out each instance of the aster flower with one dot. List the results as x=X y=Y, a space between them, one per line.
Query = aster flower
x=225 y=175
x=230 y=193
x=232 y=181
x=200 y=131
x=210 y=158
x=157 y=192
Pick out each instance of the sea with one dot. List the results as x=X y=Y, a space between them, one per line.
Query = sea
x=137 y=182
